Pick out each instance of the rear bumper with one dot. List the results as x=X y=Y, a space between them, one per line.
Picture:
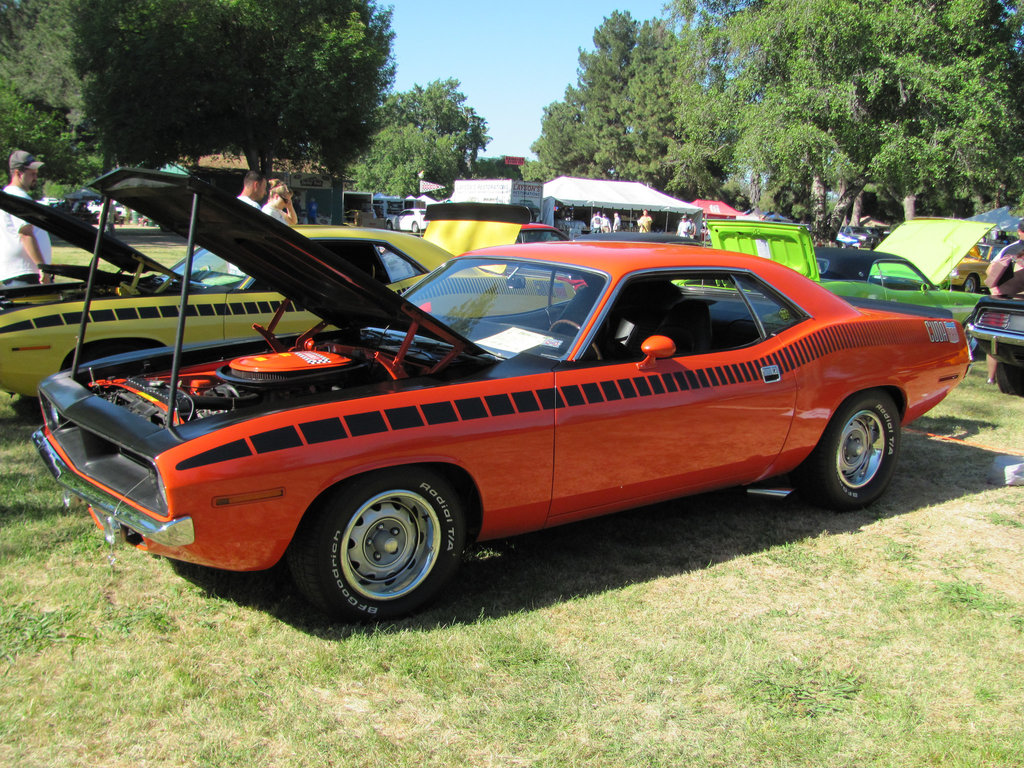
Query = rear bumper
x=1006 y=347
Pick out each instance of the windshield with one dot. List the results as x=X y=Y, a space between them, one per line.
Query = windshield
x=211 y=271
x=509 y=306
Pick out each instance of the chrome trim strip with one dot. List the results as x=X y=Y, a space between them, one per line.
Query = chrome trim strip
x=988 y=334
x=769 y=493
x=179 y=532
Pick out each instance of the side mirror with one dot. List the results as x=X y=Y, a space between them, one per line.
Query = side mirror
x=656 y=348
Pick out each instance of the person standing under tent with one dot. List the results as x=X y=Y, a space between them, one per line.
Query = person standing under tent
x=645 y=222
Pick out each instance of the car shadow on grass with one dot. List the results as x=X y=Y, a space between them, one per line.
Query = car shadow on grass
x=548 y=567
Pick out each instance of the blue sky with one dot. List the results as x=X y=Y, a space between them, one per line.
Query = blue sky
x=512 y=60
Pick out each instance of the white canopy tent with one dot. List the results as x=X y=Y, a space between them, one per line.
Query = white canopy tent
x=1002 y=218
x=602 y=195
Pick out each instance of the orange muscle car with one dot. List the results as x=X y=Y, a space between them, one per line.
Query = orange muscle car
x=512 y=389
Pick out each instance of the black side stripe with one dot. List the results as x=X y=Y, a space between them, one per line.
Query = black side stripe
x=116 y=314
x=801 y=352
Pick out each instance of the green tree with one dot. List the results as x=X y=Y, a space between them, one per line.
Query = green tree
x=495 y=168
x=829 y=95
x=166 y=79
x=40 y=97
x=705 y=119
x=429 y=131
x=953 y=119
x=36 y=42
x=616 y=122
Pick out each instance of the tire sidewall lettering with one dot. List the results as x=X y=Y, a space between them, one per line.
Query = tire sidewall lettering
x=346 y=593
x=441 y=507
x=890 y=430
x=334 y=550
x=890 y=450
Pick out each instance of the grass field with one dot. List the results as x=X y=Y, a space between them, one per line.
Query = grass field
x=721 y=630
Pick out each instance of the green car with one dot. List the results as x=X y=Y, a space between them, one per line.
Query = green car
x=935 y=245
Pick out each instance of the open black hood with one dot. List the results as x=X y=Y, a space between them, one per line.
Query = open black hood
x=77 y=233
x=279 y=257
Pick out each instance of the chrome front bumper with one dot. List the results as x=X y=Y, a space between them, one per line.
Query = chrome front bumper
x=110 y=511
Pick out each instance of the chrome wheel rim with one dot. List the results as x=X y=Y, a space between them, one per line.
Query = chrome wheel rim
x=861 y=449
x=390 y=545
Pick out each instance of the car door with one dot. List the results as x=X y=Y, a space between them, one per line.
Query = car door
x=714 y=414
x=903 y=282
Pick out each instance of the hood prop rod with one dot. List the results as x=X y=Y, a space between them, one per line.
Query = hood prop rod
x=186 y=282
x=80 y=341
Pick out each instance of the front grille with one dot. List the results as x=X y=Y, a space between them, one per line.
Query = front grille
x=105 y=463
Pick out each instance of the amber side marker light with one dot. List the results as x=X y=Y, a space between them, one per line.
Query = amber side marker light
x=248 y=498
x=30 y=349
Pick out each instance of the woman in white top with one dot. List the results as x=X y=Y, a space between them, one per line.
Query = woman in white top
x=279 y=204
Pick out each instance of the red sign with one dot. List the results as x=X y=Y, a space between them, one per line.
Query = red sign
x=509 y=160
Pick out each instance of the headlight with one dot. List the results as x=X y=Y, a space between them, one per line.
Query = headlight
x=51 y=415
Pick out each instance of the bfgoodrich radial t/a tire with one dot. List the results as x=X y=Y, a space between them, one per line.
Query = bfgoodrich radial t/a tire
x=381 y=545
x=853 y=462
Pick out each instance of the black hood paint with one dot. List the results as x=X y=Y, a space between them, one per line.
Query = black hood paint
x=77 y=233
x=311 y=276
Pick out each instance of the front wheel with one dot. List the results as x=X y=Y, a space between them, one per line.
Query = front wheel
x=380 y=546
x=853 y=463
x=972 y=284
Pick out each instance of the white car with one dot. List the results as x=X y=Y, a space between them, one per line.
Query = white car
x=411 y=219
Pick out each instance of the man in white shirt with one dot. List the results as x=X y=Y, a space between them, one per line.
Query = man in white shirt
x=23 y=248
x=254 y=189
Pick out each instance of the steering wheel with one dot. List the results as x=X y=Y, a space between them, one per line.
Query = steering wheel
x=575 y=327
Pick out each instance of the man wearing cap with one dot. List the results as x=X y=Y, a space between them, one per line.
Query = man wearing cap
x=23 y=248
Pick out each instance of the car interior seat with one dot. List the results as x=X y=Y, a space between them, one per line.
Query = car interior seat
x=688 y=324
x=637 y=314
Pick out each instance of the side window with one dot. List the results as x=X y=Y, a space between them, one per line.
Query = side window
x=895 y=276
x=700 y=311
x=774 y=314
x=359 y=254
x=397 y=266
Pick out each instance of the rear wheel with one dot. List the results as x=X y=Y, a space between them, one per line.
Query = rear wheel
x=853 y=462
x=415 y=226
x=380 y=546
x=1010 y=379
x=972 y=284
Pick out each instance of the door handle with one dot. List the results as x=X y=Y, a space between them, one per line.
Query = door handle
x=771 y=374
